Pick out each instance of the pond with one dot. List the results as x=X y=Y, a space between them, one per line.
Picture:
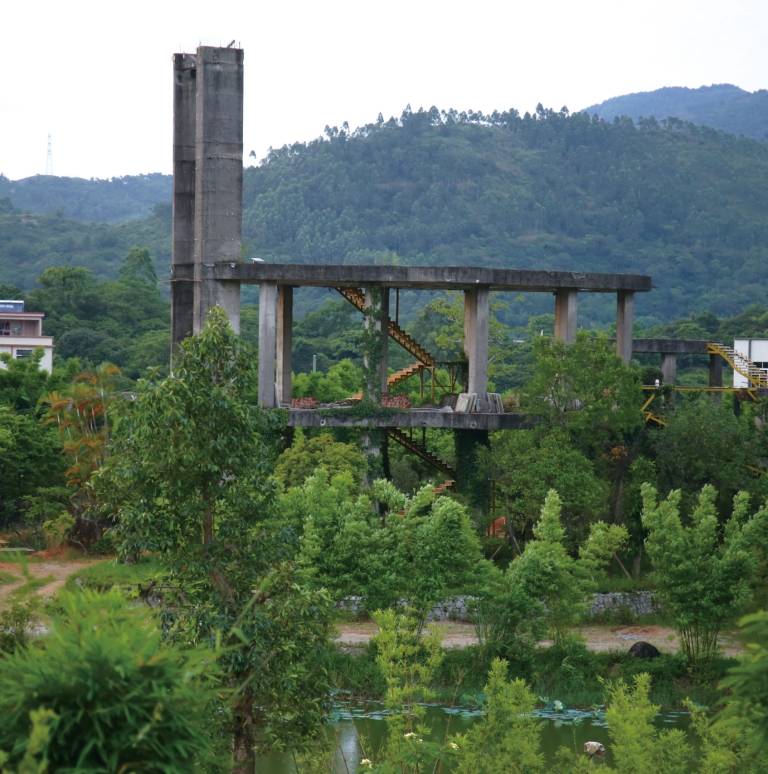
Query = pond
x=358 y=725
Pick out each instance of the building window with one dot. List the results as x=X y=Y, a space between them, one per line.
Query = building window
x=5 y=328
x=16 y=330
x=23 y=353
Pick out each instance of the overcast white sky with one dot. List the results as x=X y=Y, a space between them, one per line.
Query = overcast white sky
x=97 y=75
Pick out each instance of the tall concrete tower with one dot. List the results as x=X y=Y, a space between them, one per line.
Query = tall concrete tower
x=207 y=183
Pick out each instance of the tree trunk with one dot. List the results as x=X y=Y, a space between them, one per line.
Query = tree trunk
x=244 y=741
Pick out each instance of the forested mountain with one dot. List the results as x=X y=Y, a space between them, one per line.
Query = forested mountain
x=33 y=242
x=111 y=201
x=721 y=106
x=683 y=203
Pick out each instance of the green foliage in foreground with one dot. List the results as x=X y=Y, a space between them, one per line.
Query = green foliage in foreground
x=191 y=480
x=121 y=699
x=747 y=709
x=704 y=573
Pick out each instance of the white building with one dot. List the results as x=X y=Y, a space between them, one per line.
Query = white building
x=755 y=350
x=22 y=332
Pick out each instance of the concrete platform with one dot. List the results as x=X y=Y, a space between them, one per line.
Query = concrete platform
x=416 y=277
x=449 y=420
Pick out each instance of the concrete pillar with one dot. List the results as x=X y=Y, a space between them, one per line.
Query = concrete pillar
x=565 y=315
x=284 y=342
x=267 y=325
x=716 y=376
x=218 y=170
x=476 y=314
x=669 y=367
x=625 y=306
x=381 y=325
x=183 y=240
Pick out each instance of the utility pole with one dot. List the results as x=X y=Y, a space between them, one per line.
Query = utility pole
x=49 y=160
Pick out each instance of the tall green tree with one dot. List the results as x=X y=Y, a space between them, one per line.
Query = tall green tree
x=704 y=572
x=191 y=479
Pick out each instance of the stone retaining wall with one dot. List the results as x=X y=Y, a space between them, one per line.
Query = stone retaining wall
x=459 y=608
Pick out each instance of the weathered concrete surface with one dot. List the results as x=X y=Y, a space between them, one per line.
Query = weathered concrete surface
x=669 y=368
x=476 y=319
x=669 y=347
x=267 y=342
x=218 y=174
x=566 y=302
x=380 y=324
x=625 y=310
x=284 y=342
x=413 y=418
x=425 y=277
x=183 y=251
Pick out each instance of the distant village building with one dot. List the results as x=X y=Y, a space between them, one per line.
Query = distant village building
x=22 y=332
x=755 y=350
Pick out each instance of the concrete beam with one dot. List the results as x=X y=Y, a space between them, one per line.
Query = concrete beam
x=267 y=340
x=476 y=318
x=566 y=315
x=381 y=326
x=669 y=368
x=669 y=346
x=413 y=418
x=183 y=240
x=218 y=169
x=427 y=277
x=284 y=342
x=625 y=306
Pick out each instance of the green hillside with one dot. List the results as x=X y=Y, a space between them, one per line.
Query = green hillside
x=33 y=242
x=682 y=203
x=721 y=106
x=111 y=201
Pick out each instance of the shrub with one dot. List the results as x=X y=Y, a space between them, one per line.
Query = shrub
x=120 y=699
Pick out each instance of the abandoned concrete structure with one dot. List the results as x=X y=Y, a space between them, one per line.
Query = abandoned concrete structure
x=206 y=271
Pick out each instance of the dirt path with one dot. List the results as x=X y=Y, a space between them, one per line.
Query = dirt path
x=54 y=571
x=353 y=636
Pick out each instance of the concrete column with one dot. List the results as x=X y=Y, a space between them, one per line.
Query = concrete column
x=716 y=376
x=380 y=325
x=183 y=241
x=224 y=294
x=218 y=167
x=476 y=314
x=267 y=325
x=565 y=315
x=625 y=305
x=669 y=367
x=284 y=342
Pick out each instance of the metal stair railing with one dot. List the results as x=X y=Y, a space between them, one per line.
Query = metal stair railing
x=409 y=344
x=397 y=378
x=739 y=363
x=422 y=452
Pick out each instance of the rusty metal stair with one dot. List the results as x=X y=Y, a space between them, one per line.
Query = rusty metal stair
x=422 y=452
x=357 y=299
x=444 y=487
x=397 y=378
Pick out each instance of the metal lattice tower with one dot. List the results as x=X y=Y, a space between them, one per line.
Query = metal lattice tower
x=49 y=159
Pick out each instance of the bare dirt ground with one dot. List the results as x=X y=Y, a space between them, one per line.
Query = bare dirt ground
x=352 y=636
x=54 y=570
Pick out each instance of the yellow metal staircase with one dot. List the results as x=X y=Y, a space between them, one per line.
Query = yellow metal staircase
x=741 y=364
x=357 y=299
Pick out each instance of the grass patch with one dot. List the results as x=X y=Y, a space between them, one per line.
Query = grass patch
x=622 y=583
x=104 y=575
x=31 y=585
x=6 y=578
